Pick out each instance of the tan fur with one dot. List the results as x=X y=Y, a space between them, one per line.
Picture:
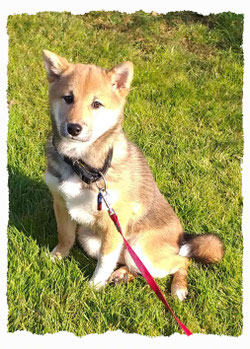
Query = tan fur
x=206 y=248
x=121 y=274
x=147 y=220
x=65 y=227
x=179 y=286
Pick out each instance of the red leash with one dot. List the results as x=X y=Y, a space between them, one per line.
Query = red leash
x=145 y=273
x=143 y=270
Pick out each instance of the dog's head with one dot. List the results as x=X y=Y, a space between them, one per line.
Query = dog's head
x=86 y=101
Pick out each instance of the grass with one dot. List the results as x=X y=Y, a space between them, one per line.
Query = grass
x=185 y=113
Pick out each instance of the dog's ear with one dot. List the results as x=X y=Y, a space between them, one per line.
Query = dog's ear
x=121 y=77
x=54 y=65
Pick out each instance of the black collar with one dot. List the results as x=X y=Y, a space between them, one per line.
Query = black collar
x=87 y=173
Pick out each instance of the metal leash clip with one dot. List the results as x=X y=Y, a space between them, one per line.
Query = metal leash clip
x=103 y=195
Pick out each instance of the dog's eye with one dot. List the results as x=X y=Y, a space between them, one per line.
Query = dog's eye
x=96 y=105
x=68 y=99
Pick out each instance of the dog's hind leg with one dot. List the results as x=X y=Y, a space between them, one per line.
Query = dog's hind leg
x=121 y=275
x=179 y=286
x=161 y=259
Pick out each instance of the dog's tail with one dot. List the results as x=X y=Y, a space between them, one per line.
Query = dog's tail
x=206 y=248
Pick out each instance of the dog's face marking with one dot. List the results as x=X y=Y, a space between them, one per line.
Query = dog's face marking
x=91 y=108
x=86 y=95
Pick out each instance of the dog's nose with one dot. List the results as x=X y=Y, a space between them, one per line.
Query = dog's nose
x=74 y=129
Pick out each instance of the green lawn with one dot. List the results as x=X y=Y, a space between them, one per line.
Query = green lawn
x=185 y=113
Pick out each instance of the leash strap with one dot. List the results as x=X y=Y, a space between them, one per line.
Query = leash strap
x=145 y=273
x=89 y=175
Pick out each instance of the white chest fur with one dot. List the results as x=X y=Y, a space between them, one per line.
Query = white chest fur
x=82 y=206
x=81 y=203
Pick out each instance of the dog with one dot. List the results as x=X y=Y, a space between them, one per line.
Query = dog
x=86 y=105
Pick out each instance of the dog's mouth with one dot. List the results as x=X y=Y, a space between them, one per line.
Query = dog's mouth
x=77 y=139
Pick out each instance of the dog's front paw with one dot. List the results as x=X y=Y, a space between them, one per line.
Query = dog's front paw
x=55 y=256
x=58 y=254
x=97 y=284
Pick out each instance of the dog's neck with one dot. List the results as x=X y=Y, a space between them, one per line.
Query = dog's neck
x=94 y=154
x=85 y=172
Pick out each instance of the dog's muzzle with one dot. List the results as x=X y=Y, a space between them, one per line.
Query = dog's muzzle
x=75 y=131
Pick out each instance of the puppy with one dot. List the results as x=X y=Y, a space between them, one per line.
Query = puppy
x=86 y=104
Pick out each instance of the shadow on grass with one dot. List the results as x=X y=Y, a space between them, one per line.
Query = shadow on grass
x=30 y=208
x=31 y=212
x=226 y=27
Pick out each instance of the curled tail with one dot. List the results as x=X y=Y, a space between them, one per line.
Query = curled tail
x=206 y=248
